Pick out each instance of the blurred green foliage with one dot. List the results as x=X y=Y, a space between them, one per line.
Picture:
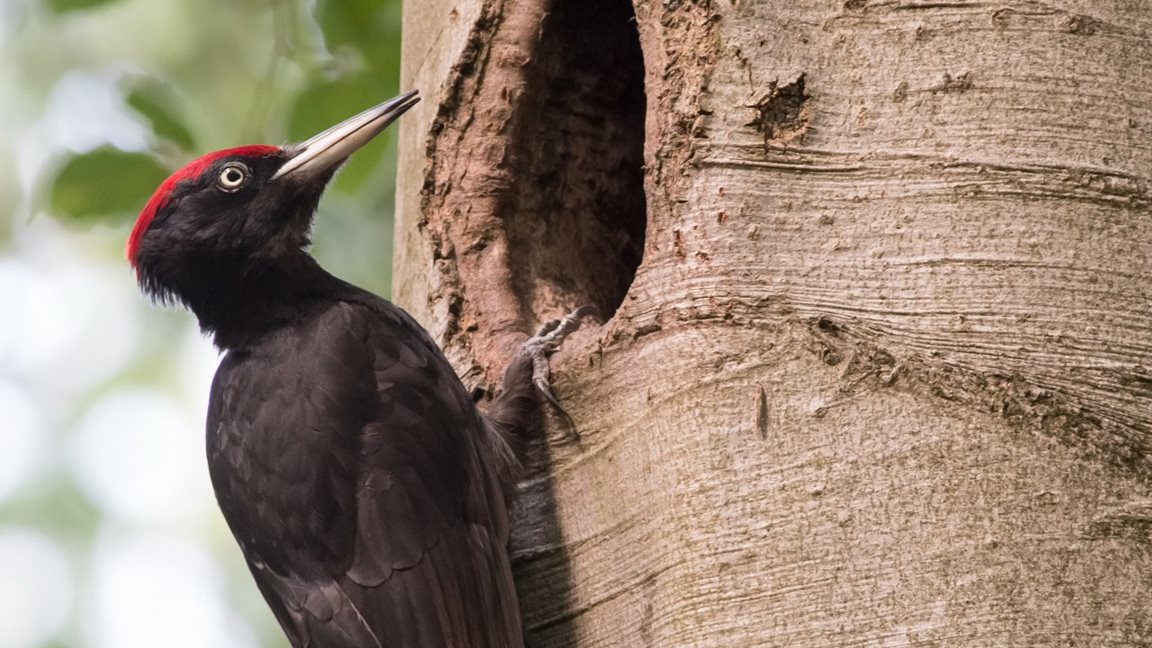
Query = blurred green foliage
x=158 y=104
x=103 y=182
x=60 y=6
x=99 y=101
x=198 y=76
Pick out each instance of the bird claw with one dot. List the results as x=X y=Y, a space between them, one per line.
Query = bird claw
x=546 y=341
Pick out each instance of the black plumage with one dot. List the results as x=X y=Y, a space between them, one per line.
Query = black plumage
x=366 y=491
x=361 y=482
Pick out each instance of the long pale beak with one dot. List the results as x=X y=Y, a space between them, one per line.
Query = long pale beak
x=328 y=149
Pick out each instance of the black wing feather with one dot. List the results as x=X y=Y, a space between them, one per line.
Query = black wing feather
x=359 y=481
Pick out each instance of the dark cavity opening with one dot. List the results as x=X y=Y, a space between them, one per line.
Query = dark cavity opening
x=576 y=225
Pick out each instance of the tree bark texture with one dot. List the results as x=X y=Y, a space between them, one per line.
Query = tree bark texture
x=883 y=374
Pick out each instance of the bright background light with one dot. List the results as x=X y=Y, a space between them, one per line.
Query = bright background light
x=109 y=532
x=37 y=588
x=150 y=591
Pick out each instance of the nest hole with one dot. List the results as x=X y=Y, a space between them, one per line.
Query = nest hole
x=576 y=228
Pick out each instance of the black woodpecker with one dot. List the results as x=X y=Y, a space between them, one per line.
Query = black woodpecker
x=365 y=489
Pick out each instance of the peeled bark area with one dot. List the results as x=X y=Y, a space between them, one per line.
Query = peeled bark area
x=882 y=375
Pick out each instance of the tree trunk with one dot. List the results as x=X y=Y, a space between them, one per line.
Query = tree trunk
x=882 y=375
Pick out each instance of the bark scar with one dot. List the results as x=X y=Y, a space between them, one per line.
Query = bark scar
x=762 y=411
x=782 y=113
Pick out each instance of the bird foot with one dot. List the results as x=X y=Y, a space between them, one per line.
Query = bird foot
x=546 y=341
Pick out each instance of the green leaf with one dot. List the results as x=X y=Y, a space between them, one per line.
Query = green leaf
x=370 y=29
x=62 y=6
x=104 y=182
x=359 y=22
x=152 y=101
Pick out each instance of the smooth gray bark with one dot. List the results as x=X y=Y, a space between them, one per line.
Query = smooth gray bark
x=883 y=376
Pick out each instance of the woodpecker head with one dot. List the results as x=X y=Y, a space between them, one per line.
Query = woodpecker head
x=241 y=211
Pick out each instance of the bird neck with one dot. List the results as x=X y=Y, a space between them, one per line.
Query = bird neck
x=240 y=307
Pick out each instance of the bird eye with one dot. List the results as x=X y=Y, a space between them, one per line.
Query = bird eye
x=232 y=177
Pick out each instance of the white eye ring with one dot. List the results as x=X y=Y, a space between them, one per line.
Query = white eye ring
x=233 y=176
